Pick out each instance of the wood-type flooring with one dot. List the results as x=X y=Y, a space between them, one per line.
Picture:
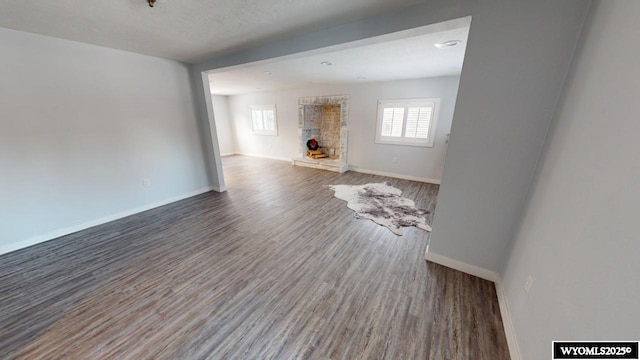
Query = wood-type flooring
x=275 y=268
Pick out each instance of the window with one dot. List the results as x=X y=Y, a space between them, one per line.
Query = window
x=407 y=121
x=263 y=118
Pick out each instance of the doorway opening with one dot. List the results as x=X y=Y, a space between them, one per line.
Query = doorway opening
x=367 y=79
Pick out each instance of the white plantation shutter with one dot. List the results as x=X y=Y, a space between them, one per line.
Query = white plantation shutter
x=268 y=119
x=263 y=119
x=418 y=122
x=392 y=121
x=256 y=115
x=407 y=122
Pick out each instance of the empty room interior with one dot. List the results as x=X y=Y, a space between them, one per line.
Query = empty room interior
x=370 y=179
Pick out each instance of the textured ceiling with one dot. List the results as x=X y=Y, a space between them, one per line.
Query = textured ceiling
x=184 y=30
x=407 y=55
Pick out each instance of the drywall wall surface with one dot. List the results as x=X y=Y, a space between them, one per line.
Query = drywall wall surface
x=82 y=127
x=223 y=124
x=517 y=57
x=579 y=235
x=363 y=151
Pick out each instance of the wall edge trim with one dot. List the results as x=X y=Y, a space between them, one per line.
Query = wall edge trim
x=507 y=321
x=264 y=156
x=505 y=312
x=394 y=175
x=462 y=266
x=4 y=249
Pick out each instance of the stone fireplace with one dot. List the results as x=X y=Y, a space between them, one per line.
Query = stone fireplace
x=323 y=118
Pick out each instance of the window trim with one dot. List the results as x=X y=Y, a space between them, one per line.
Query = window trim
x=263 y=108
x=406 y=103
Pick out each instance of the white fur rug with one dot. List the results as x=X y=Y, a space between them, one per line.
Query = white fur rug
x=383 y=204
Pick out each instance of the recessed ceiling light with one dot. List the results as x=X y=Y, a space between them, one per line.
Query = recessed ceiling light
x=447 y=44
x=362 y=78
x=326 y=63
x=267 y=73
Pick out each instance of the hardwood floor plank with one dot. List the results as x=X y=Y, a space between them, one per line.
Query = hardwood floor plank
x=276 y=268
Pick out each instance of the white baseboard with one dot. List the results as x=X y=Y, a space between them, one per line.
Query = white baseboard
x=75 y=228
x=461 y=266
x=219 y=188
x=505 y=312
x=507 y=321
x=265 y=156
x=353 y=168
x=393 y=175
x=227 y=154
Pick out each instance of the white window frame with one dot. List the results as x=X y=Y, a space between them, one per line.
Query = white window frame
x=262 y=109
x=406 y=104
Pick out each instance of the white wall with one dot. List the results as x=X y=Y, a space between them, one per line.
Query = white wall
x=579 y=237
x=517 y=57
x=364 y=153
x=226 y=136
x=81 y=127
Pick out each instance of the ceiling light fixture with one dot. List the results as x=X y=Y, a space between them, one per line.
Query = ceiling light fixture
x=326 y=63
x=151 y=2
x=362 y=78
x=447 y=44
x=267 y=73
